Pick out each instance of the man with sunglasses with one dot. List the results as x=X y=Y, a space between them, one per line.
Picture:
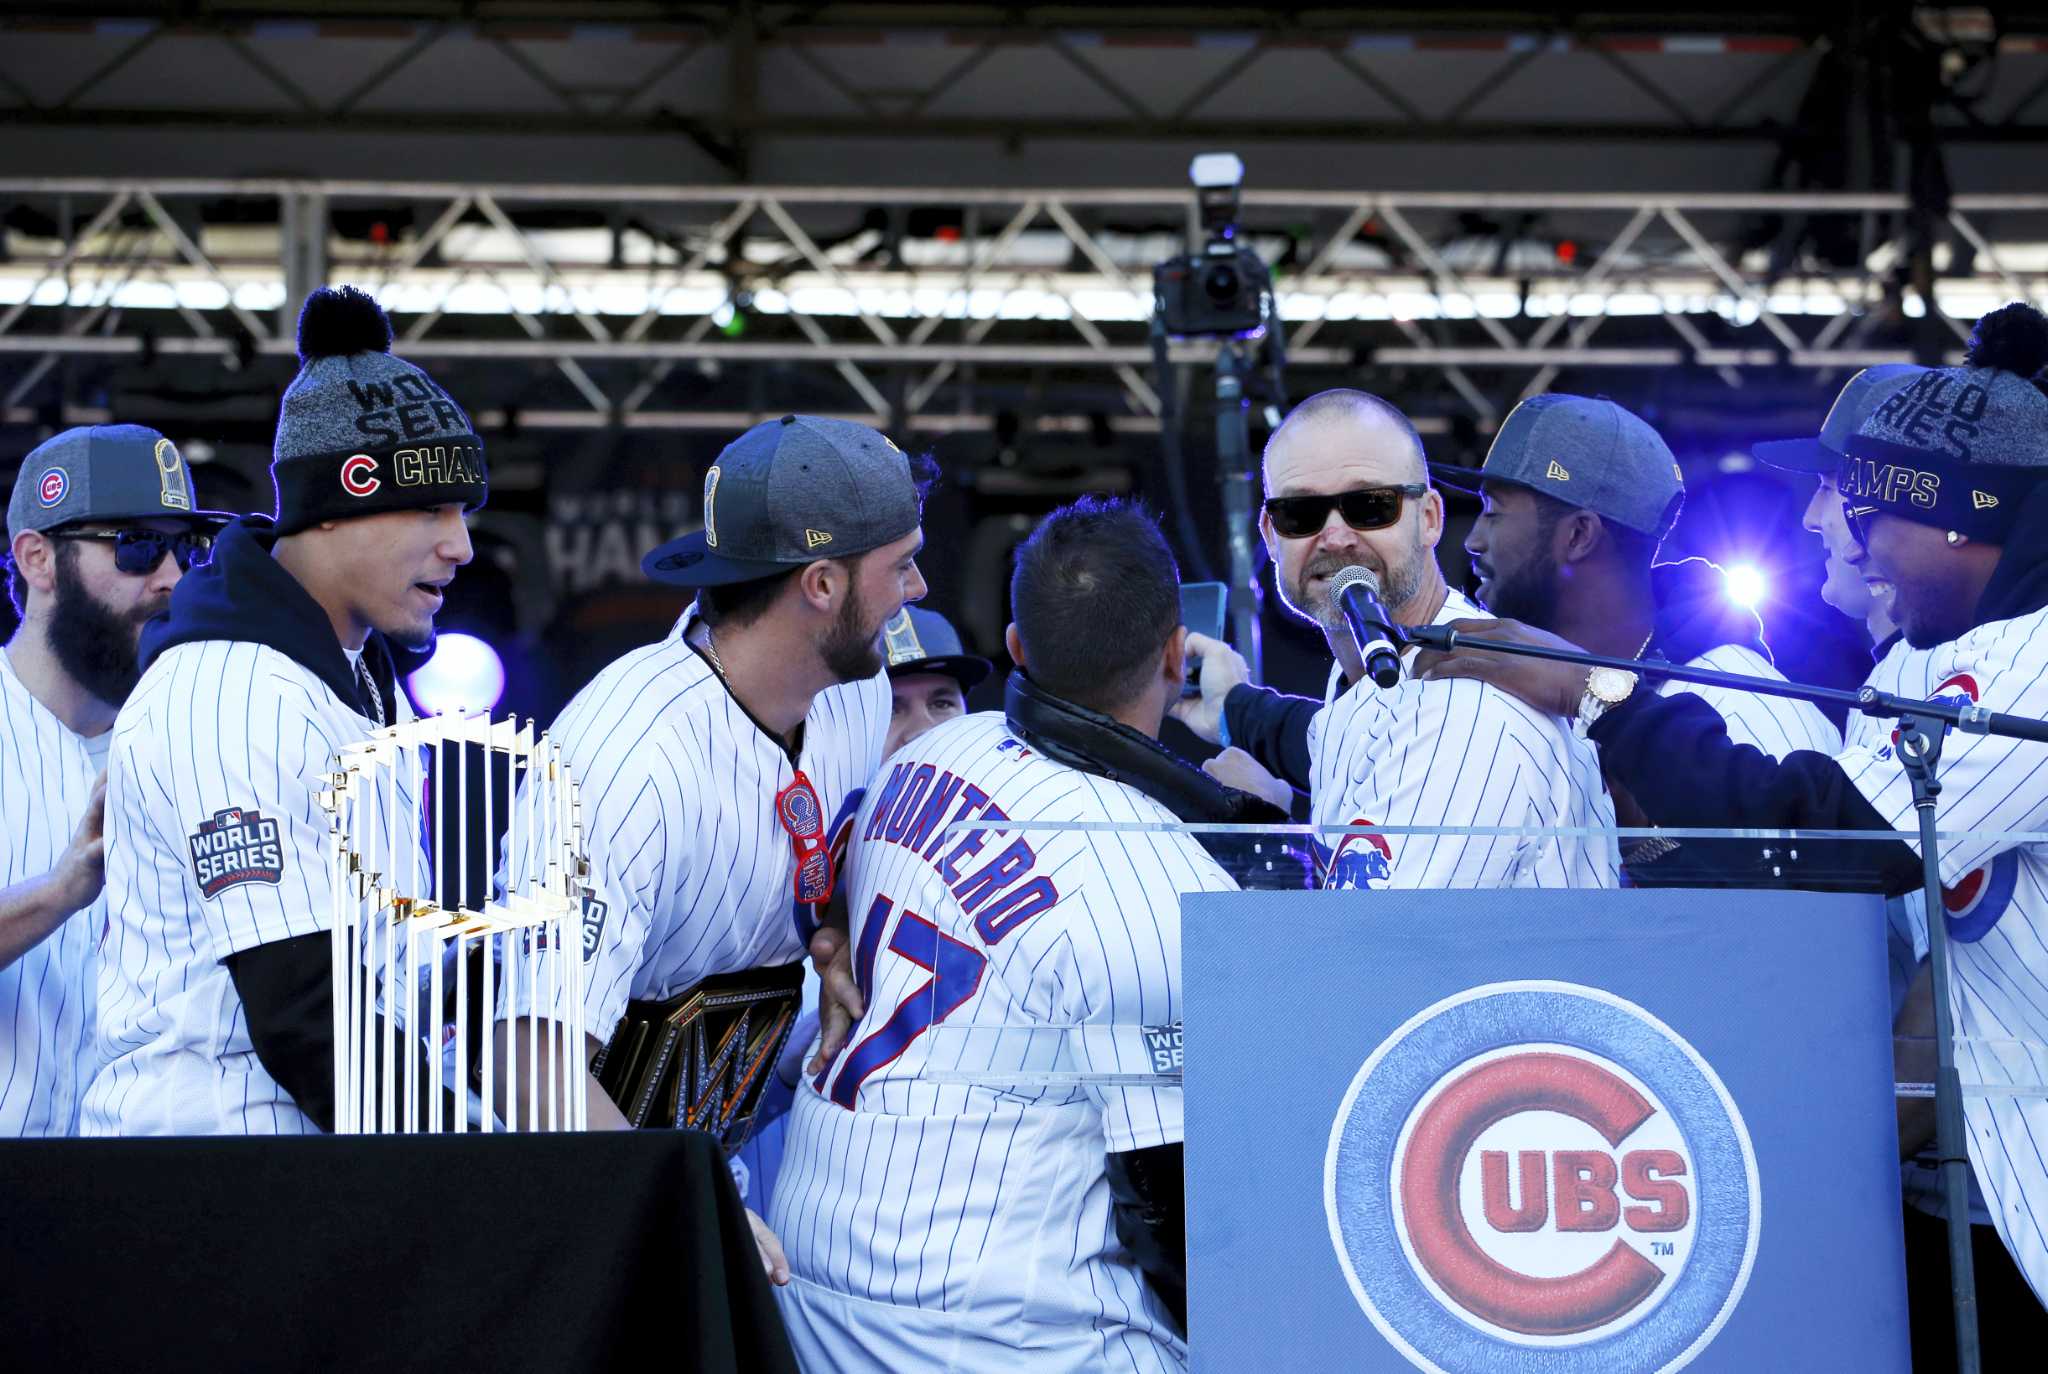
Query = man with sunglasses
x=1946 y=483
x=101 y=526
x=1347 y=485
x=215 y=1008
x=717 y=766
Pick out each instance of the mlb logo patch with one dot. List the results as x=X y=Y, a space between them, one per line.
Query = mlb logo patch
x=236 y=846
x=56 y=482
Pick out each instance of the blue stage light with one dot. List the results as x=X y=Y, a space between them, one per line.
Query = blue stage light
x=465 y=674
x=1746 y=585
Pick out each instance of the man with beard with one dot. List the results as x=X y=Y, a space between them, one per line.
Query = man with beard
x=1947 y=489
x=709 y=763
x=101 y=526
x=215 y=1011
x=1576 y=495
x=1347 y=484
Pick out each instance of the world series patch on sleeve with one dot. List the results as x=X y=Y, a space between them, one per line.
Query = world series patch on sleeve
x=236 y=846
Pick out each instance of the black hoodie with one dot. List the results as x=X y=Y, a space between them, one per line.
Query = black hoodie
x=1674 y=754
x=245 y=594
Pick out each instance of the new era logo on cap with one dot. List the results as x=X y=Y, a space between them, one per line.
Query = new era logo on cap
x=1620 y=468
x=1983 y=500
x=788 y=492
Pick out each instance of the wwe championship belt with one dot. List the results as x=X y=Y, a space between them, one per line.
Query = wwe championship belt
x=702 y=1058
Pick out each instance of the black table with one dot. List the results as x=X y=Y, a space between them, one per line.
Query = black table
x=554 y=1252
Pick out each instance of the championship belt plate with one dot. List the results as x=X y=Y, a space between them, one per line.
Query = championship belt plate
x=702 y=1058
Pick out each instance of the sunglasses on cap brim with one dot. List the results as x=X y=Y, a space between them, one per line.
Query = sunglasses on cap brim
x=1365 y=508
x=137 y=552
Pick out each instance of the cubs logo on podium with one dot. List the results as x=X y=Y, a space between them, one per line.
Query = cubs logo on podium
x=1542 y=1176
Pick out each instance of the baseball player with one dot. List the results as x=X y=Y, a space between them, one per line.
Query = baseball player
x=1347 y=484
x=930 y=674
x=215 y=1014
x=1012 y=1222
x=2006 y=1310
x=1945 y=486
x=101 y=526
x=715 y=765
x=1575 y=496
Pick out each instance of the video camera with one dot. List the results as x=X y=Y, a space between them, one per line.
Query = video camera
x=1224 y=290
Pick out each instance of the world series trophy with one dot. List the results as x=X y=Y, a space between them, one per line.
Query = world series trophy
x=423 y=966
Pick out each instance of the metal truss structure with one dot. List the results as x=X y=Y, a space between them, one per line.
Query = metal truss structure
x=730 y=77
x=912 y=298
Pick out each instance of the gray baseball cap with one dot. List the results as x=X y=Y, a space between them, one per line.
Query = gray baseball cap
x=1587 y=453
x=922 y=641
x=104 y=472
x=789 y=492
x=1822 y=455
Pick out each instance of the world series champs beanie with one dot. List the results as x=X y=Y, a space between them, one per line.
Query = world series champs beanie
x=361 y=431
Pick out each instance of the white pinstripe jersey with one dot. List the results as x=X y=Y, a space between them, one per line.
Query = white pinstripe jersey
x=215 y=844
x=1455 y=753
x=691 y=873
x=46 y=996
x=1996 y=902
x=975 y=1217
x=1775 y=725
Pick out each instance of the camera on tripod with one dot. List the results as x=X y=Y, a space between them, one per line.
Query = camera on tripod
x=1224 y=290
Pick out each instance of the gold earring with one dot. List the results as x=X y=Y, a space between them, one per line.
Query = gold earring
x=1954 y=538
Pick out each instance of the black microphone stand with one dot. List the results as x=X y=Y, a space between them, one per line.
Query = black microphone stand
x=1923 y=725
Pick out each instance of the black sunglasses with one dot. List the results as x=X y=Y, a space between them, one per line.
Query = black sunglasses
x=1367 y=508
x=139 y=551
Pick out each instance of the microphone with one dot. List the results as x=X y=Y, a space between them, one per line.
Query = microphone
x=1357 y=594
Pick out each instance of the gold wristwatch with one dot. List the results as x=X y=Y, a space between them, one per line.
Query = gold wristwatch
x=1606 y=688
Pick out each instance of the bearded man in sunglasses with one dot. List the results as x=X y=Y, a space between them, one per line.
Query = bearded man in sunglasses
x=101 y=527
x=1347 y=485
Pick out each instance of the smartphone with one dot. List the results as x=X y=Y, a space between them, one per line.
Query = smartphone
x=1202 y=609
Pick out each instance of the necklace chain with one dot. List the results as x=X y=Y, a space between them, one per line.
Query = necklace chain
x=711 y=651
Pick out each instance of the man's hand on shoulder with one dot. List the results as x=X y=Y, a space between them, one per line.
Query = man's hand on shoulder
x=1550 y=687
x=81 y=871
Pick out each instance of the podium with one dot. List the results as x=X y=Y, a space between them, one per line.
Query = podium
x=1541 y=1130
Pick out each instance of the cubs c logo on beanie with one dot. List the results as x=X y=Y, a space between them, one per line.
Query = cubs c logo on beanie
x=362 y=432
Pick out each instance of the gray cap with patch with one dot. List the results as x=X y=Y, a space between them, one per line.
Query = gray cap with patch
x=1589 y=453
x=789 y=492
x=104 y=472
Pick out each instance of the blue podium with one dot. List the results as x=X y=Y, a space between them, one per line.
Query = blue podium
x=1562 y=1132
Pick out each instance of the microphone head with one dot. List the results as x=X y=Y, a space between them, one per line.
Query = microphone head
x=1354 y=576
